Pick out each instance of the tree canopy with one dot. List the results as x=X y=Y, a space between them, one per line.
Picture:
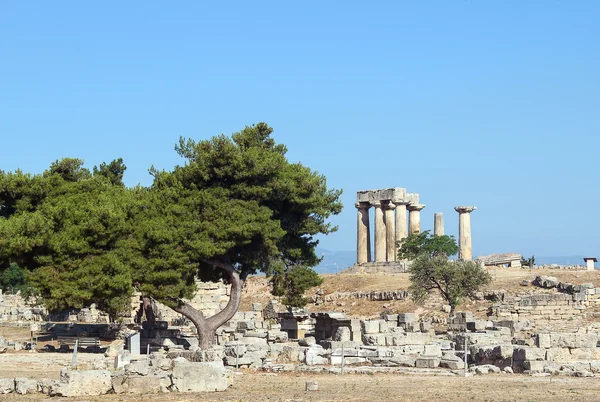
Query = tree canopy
x=426 y=244
x=236 y=207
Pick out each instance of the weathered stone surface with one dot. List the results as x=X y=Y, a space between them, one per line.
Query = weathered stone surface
x=199 y=377
x=433 y=350
x=534 y=366
x=7 y=385
x=343 y=334
x=234 y=349
x=547 y=282
x=141 y=385
x=83 y=382
x=314 y=355
x=25 y=386
x=139 y=367
x=427 y=362
x=528 y=353
x=451 y=361
x=45 y=385
x=307 y=341
x=371 y=327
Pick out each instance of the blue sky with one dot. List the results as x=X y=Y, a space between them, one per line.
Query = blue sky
x=493 y=104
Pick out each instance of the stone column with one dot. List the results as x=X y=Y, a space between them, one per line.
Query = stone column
x=401 y=223
x=414 y=217
x=389 y=231
x=380 y=236
x=438 y=224
x=363 y=243
x=465 y=248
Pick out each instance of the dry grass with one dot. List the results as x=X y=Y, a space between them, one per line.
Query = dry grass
x=507 y=279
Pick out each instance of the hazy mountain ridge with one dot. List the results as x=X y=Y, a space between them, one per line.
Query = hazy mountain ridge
x=337 y=261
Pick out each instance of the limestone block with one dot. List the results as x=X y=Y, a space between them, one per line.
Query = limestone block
x=277 y=336
x=343 y=334
x=348 y=352
x=307 y=341
x=139 y=367
x=83 y=383
x=314 y=355
x=337 y=360
x=289 y=354
x=535 y=366
x=529 y=353
x=25 y=386
x=560 y=355
x=427 y=362
x=254 y=342
x=371 y=327
x=234 y=349
x=141 y=385
x=396 y=361
x=589 y=340
x=425 y=326
x=240 y=361
x=543 y=341
x=585 y=354
x=433 y=350
x=563 y=340
x=7 y=385
x=383 y=326
x=451 y=361
x=504 y=351
x=199 y=377
x=391 y=317
x=45 y=385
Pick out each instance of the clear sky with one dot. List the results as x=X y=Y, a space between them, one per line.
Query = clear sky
x=487 y=103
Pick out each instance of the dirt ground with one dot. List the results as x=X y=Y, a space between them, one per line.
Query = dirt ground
x=379 y=387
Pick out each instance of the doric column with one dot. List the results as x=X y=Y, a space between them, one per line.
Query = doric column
x=414 y=217
x=389 y=231
x=362 y=233
x=401 y=223
x=380 y=237
x=465 y=248
x=438 y=224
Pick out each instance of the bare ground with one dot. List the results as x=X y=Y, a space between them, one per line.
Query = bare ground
x=381 y=387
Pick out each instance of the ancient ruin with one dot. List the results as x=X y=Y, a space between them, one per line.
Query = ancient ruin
x=391 y=225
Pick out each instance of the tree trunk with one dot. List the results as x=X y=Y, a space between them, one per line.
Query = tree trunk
x=207 y=327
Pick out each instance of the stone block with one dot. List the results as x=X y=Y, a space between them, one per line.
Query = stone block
x=141 y=385
x=585 y=354
x=529 y=353
x=543 y=341
x=407 y=318
x=534 y=366
x=348 y=360
x=433 y=350
x=504 y=351
x=391 y=317
x=427 y=362
x=45 y=385
x=383 y=326
x=451 y=361
x=343 y=334
x=139 y=367
x=83 y=383
x=314 y=355
x=199 y=377
x=559 y=355
x=7 y=385
x=371 y=327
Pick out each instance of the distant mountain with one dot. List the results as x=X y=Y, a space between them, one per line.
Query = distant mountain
x=337 y=261
x=334 y=261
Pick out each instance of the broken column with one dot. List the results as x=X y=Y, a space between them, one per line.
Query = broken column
x=390 y=232
x=438 y=224
x=465 y=248
x=380 y=235
x=363 y=243
x=414 y=217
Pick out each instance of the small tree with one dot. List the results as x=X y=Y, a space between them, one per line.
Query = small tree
x=292 y=283
x=424 y=243
x=12 y=278
x=455 y=280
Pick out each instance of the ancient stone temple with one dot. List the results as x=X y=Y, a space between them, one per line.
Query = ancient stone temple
x=396 y=214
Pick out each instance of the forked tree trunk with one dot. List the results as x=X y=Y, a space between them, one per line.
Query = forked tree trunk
x=207 y=327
